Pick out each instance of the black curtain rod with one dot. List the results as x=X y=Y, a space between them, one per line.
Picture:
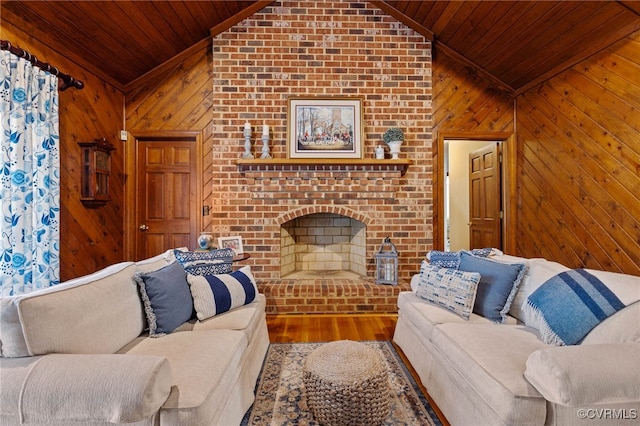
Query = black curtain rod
x=66 y=79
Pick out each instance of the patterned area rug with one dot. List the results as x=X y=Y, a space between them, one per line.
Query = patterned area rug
x=280 y=396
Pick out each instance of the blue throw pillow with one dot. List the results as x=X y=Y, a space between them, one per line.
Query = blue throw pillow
x=166 y=297
x=569 y=305
x=498 y=285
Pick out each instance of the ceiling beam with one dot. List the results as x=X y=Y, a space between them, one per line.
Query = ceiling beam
x=166 y=67
x=440 y=47
x=409 y=22
x=437 y=45
x=245 y=13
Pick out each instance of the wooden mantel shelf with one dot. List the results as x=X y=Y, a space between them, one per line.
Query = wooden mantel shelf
x=323 y=164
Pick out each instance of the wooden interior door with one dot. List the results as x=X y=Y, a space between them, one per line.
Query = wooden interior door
x=166 y=194
x=485 y=199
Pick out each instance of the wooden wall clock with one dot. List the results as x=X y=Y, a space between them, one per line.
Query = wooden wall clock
x=96 y=168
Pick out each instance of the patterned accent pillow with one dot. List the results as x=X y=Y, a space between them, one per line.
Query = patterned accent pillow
x=483 y=252
x=444 y=259
x=166 y=298
x=215 y=294
x=449 y=288
x=451 y=259
x=206 y=262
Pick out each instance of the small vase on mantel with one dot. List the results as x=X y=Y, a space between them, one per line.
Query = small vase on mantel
x=205 y=241
x=394 y=149
x=394 y=137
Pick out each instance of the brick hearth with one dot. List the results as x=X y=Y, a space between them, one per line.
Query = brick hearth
x=324 y=296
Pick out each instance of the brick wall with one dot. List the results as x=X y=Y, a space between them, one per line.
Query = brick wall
x=318 y=48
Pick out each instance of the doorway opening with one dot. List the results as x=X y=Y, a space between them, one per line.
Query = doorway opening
x=459 y=200
x=467 y=186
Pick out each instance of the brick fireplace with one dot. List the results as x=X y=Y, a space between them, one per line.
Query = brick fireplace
x=322 y=49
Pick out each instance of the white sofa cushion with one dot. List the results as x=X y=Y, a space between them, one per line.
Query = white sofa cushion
x=205 y=365
x=94 y=388
x=621 y=327
x=626 y=287
x=12 y=343
x=426 y=315
x=492 y=359
x=97 y=316
x=568 y=375
x=246 y=318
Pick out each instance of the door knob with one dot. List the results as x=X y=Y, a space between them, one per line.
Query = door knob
x=143 y=227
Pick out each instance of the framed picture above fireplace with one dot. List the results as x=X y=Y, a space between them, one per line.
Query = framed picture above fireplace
x=324 y=127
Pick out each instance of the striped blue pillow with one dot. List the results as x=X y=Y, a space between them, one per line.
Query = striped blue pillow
x=215 y=294
x=569 y=305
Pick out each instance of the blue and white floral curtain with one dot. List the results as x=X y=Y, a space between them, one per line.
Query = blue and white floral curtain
x=29 y=177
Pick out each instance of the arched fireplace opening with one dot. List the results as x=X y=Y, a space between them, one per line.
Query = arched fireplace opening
x=323 y=244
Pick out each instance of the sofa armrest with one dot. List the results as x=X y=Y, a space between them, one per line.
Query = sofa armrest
x=581 y=376
x=70 y=388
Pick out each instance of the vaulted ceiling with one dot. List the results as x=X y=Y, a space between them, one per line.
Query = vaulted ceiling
x=514 y=43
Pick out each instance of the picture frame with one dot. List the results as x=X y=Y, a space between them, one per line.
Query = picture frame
x=325 y=127
x=234 y=243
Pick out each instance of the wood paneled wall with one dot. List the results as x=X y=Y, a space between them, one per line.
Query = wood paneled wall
x=175 y=97
x=579 y=163
x=469 y=107
x=91 y=238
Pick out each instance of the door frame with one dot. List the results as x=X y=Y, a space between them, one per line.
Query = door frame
x=130 y=187
x=508 y=178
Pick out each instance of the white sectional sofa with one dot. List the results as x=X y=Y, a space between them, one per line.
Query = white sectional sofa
x=483 y=372
x=80 y=353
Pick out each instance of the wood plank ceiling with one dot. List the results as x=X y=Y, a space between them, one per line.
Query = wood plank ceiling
x=515 y=43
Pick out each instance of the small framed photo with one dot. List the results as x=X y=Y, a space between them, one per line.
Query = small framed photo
x=324 y=127
x=234 y=243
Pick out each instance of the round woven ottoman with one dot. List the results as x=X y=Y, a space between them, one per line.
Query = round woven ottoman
x=346 y=383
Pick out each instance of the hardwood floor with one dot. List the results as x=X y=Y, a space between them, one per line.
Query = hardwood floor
x=290 y=328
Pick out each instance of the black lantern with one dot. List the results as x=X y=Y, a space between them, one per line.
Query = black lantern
x=387 y=263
